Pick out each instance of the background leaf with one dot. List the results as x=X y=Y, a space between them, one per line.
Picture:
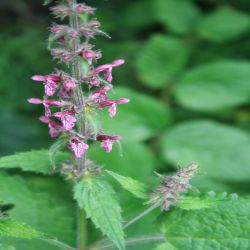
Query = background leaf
x=160 y=60
x=214 y=86
x=221 y=151
x=42 y=203
x=179 y=16
x=97 y=198
x=224 y=24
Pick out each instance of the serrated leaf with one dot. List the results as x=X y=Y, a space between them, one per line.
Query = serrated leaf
x=96 y=197
x=224 y=24
x=221 y=151
x=222 y=226
x=39 y=202
x=12 y=228
x=215 y=86
x=36 y=161
x=160 y=60
x=137 y=188
x=179 y=16
x=6 y=247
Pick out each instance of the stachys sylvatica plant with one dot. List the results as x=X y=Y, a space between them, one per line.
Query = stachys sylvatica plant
x=72 y=100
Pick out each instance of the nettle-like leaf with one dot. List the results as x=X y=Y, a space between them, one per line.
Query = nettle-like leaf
x=160 y=60
x=137 y=188
x=179 y=16
x=221 y=151
x=96 y=197
x=12 y=228
x=37 y=161
x=221 y=226
x=189 y=202
x=215 y=86
x=224 y=24
x=50 y=211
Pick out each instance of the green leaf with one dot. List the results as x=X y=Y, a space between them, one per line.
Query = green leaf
x=200 y=201
x=221 y=151
x=165 y=246
x=36 y=161
x=214 y=86
x=97 y=198
x=42 y=203
x=125 y=164
x=224 y=24
x=160 y=60
x=6 y=247
x=222 y=226
x=179 y=16
x=138 y=189
x=12 y=228
x=138 y=120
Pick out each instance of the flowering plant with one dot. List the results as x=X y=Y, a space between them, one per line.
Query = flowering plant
x=72 y=101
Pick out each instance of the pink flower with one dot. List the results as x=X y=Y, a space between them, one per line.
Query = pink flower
x=55 y=128
x=94 y=81
x=82 y=8
x=47 y=104
x=112 y=104
x=107 y=141
x=67 y=89
x=93 y=24
x=77 y=146
x=108 y=69
x=101 y=94
x=91 y=55
x=49 y=82
x=67 y=118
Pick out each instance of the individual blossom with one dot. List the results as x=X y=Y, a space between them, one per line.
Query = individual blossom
x=107 y=68
x=67 y=117
x=107 y=141
x=55 y=128
x=60 y=11
x=67 y=89
x=112 y=104
x=50 y=83
x=83 y=8
x=77 y=146
x=48 y=103
x=91 y=55
x=101 y=94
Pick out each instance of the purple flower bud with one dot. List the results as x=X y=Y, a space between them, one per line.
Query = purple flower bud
x=77 y=146
x=101 y=94
x=89 y=55
x=82 y=8
x=93 y=24
x=69 y=85
x=60 y=11
x=94 y=81
x=67 y=118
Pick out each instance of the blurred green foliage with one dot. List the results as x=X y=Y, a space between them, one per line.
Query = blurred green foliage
x=187 y=74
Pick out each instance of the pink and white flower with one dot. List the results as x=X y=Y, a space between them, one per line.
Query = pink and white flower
x=50 y=83
x=67 y=117
x=107 y=141
x=107 y=68
x=77 y=146
x=112 y=104
x=55 y=128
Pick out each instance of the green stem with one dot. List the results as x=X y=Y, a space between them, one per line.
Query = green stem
x=82 y=232
x=140 y=215
x=133 y=241
x=59 y=244
x=79 y=102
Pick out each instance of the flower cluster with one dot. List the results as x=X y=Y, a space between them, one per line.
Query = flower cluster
x=171 y=187
x=69 y=98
